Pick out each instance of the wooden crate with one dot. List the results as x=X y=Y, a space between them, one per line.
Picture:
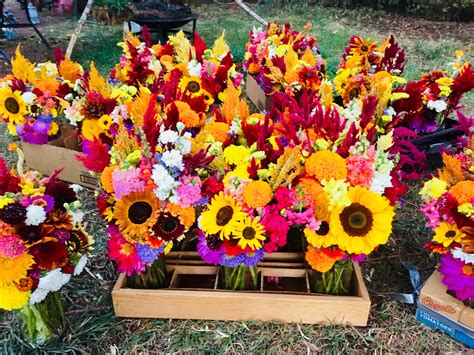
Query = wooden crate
x=194 y=293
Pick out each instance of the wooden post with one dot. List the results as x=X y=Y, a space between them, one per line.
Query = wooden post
x=78 y=29
x=252 y=13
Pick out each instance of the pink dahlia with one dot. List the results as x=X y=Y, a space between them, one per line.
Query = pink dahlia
x=124 y=253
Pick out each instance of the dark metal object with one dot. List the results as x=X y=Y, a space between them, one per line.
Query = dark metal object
x=5 y=24
x=163 y=18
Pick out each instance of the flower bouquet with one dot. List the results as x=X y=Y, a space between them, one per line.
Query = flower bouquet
x=448 y=206
x=42 y=245
x=281 y=59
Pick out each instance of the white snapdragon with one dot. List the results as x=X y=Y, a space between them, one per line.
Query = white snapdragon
x=173 y=159
x=168 y=136
x=194 y=68
x=35 y=215
x=380 y=182
x=438 y=105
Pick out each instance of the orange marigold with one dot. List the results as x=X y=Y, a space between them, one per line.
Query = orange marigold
x=218 y=130
x=463 y=191
x=257 y=194
x=187 y=116
x=106 y=179
x=325 y=165
x=319 y=260
x=318 y=196
x=186 y=215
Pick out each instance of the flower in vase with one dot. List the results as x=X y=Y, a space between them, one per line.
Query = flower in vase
x=147 y=253
x=320 y=260
x=253 y=258
x=124 y=253
x=12 y=298
x=447 y=234
x=135 y=213
x=457 y=276
x=210 y=248
x=222 y=215
x=364 y=224
x=249 y=233
x=232 y=261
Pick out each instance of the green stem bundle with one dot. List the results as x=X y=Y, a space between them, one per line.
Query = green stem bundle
x=153 y=277
x=239 y=277
x=336 y=281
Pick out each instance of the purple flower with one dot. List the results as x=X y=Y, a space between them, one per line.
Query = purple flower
x=147 y=253
x=232 y=261
x=253 y=258
x=210 y=248
x=45 y=118
x=457 y=276
x=62 y=234
x=41 y=127
x=45 y=201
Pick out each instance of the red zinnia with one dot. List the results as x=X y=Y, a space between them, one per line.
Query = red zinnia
x=49 y=255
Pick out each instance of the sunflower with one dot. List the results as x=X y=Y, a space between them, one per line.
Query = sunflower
x=250 y=233
x=222 y=216
x=447 y=233
x=361 y=47
x=191 y=85
x=353 y=90
x=320 y=238
x=136 y=212
x=11 y=298
x=168 y=227
x=12 y=106
x=364 y=224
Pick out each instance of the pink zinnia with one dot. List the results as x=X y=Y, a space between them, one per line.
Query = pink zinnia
x=11 y=246
x=457 y=276
x=124 y=253
x=189 y=191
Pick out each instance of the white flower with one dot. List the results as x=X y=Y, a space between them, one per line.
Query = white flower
x=235 y=127
x=194 y=68
x=464 y=257
x=173 y=159
x=54 y=280
x=77 y=188
x=28 y=97
x=380 y=182
x=390 y=111
x=80 y=265
x=38 y=295
x=168 y=136
x=77 y=216
x=35 y=215
x=164 y=181
x=438 y=105
x=183 y=143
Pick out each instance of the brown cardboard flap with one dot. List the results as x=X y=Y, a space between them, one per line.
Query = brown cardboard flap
x=434 y=295
x=255 y=94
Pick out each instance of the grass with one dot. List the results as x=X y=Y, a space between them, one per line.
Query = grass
x=91 y=324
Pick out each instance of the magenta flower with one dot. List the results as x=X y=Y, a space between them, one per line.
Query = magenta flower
x=457 y=276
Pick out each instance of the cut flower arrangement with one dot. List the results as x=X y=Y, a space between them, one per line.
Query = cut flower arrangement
x=449 y=208
x=42 y=245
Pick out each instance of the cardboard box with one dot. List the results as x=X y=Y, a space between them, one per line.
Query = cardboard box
x=256 y=95
x=439 y=310
x=57 y=154
x=194 y=293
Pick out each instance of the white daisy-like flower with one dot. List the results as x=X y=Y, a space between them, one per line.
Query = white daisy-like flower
x=194 y=68
x=35 y=215
x=380 y=182
x=168 y=136
x=173 y=159
x=438 y=105
x=464 y=257
x=54 y=280
x=38 y=295
x=81 y=264
x=28 y=97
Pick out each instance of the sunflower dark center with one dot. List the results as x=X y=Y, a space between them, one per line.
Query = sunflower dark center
x=354 y=93
x=323 y=229
x=214 y=242
x=224 y=215
x=139 y=212
x=364 y=48
x=450 y=234
x=249 y=233
x=194 y=86
x=12 y=105
x=357 y=220
x=168 y=224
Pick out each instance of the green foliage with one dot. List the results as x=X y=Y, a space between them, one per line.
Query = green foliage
x=116 y=5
